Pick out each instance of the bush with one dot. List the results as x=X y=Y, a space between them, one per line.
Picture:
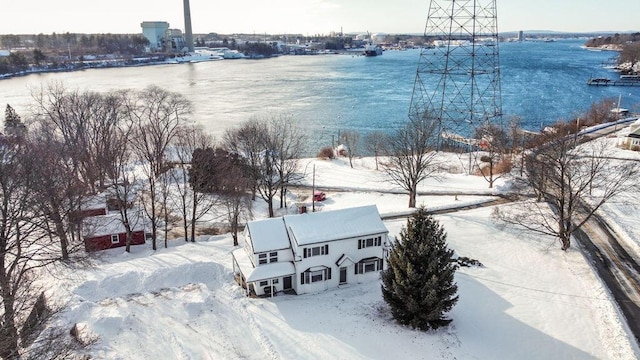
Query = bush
x=326 y=153
x=468 y=262
x=502 y=167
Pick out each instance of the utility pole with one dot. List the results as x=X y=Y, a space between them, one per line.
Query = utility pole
x=313 y=190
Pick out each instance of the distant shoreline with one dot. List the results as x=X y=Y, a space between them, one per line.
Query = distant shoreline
x=120 y=63
x=607 y=47
x=137 y=62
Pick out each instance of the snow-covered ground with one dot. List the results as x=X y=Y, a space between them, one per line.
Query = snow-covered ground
x=622 y=213
x=530 y=300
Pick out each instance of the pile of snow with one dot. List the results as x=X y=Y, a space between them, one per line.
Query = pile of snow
x=529 y=301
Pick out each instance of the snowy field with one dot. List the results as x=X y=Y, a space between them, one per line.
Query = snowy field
x=529 y=301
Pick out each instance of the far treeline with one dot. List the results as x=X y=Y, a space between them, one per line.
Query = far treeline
x=628 y=44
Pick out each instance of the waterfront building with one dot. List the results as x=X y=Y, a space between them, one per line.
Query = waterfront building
x=175 y=41
x=155 y=32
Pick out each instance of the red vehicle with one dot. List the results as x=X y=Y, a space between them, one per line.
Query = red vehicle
x=319 y=196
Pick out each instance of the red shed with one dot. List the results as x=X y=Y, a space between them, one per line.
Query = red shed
x=107 y=231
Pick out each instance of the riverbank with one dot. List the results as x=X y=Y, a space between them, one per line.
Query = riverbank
x=607 y=47
x=157 y=60
x=93 y=64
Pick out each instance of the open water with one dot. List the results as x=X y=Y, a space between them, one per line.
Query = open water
x=541 y=83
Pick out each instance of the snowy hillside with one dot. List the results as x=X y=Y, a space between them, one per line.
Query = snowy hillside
x=529 y=301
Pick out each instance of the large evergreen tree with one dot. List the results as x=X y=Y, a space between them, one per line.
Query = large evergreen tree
x=12 y=123
x=419 y=283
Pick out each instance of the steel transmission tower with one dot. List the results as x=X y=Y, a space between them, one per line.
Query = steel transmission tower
x=458 y=78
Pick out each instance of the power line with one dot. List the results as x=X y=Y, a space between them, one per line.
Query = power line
x=534 y=290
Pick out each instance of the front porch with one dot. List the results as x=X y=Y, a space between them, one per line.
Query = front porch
x=264 y=280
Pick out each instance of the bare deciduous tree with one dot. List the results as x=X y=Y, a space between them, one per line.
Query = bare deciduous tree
x=223 y=176
x=165 y=180
x=288 y=143
x=233 y=184
x=268 y=176
x=374 y=143
x=246 y=141
x=350 y=139
x=57 y=189
x=412 y=155
x=85 y=122
x=571 y=185
x=123 y=186
x=157 y=115
x=599 y=112
x=193 y=204
x=25 y=245
x=494 y=141
x=270 y=149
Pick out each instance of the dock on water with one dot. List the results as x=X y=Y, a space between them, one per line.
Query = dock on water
x=609 y=82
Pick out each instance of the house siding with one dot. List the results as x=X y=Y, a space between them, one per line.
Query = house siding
x=337 y=249
x=103 y=242
x=282 y=255
x=93 y=212
x=320 y=272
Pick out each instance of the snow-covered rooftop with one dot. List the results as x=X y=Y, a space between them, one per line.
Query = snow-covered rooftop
x=98 y=201
x=262 y=272
x=111 y=224
x=268 y=235
x=325 y=226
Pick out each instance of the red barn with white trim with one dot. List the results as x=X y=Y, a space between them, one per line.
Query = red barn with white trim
x=107 y=231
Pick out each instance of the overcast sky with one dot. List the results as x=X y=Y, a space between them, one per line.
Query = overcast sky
x=307 y=17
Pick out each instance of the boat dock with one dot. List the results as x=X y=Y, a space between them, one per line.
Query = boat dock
x=609 y=82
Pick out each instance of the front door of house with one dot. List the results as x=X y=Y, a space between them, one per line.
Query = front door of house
x=286 y=282
x=343 y=275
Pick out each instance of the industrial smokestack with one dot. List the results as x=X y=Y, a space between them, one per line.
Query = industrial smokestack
x=188 y=33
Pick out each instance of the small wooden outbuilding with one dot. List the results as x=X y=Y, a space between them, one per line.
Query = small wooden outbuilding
x=107 y=232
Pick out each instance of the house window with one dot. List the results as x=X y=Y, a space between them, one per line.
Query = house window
x=374 y=241
x=309 y=277
x=274 y=281
x=272 y=257
x=115 y=239
x=368 y=265
x=264 y=283
x=316 y=251
x=317 y=276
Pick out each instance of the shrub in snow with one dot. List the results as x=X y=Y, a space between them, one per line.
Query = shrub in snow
x=326 y=153
x=419 y=283
x=467 y=262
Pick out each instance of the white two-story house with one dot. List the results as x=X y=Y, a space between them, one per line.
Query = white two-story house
x=310 y=252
